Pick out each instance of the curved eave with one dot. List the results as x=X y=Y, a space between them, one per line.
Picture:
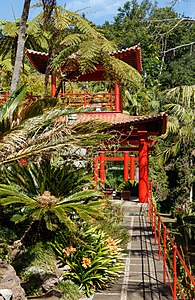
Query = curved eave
x=38 y=60
x=131 y=56
x=154 y=124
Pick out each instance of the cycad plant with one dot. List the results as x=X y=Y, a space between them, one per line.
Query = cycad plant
x=49 y=195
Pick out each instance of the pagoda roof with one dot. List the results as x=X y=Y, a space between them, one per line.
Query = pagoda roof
x=131 y=56
x=153 y=124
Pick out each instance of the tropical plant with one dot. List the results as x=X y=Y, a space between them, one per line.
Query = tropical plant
x=53 y=174
x=49 y=209
x=93 y=262
x=20 y=46
x=129 y=185
x=178 y=147
x=53 y=191
x=35 y=130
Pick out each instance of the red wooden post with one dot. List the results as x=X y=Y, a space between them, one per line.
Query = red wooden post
x=96 y=173
x=143 y=167
x=117 y=98
x=165 y=254
x=53 y=85
x=174 y=272
x=126 y=169
x=85 y=97
x=111 y=101
x=6 y=95
x=159 y=236
x=31 y=96
x=154 y=209
x=102 y=167
x=132 y=167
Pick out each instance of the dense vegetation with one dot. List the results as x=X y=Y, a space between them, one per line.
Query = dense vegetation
x=45 y=185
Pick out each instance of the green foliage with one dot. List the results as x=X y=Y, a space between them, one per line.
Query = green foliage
x=39 y=255
x=50 y=195
x=7 y=236
x=36 y=260
x=129 y=185
x=70 y=290
x=159 y=178
x=111 y=223
x=54 y=175
x=9 y=108
x=94 y=262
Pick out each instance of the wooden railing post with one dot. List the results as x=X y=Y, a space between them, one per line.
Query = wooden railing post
x=6 y=95
x=174 y=272
x=111 y=105
x=31 y=96
x=165 y=254
x=102 y=167
x=85 y=97
x=154 y=209
x=159 y=236
x=96 y=172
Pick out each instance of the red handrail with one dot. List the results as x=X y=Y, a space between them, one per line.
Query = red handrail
x=167 y=250
x=99 y=100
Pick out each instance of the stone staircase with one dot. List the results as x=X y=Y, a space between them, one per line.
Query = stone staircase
x=143 y=272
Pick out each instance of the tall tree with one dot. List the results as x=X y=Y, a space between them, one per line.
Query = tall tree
x=20 y=46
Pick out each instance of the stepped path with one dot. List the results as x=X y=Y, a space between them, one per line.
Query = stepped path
x=143 y=272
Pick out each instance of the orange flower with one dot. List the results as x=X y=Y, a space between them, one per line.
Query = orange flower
x=68 y=250
x=23 y=161
x=86 y=262
x=72 y=250
x=111 y=244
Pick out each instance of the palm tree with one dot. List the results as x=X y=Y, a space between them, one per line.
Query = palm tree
x=20 y=46
x=181 y=120
x=48 y=7
x=179 y=141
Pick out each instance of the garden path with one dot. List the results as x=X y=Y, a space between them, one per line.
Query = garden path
x=143 y=272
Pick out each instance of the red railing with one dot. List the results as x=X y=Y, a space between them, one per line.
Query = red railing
x=99 y=100
x=96 y=101
x=4 y=96
x=177 y=273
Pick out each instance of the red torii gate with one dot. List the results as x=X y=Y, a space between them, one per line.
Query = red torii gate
x=99 y=173
x=130 y=141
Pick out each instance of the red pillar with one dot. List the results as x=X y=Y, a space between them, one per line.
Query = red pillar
x=126 y=169
x=132 y=167
x=143 y=168
x=102 y=167
x=85 y=97
x=117 y=98
x=96 y=174
x=53 y=85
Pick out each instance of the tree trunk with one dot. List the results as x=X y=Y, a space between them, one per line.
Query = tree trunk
x=20 y=47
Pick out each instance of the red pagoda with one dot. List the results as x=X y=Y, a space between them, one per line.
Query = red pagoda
x=135 y=131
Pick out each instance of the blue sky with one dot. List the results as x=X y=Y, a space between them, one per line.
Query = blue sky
x=97 y=11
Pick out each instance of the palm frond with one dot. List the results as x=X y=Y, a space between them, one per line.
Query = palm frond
x=81 y=196
x=12 y=103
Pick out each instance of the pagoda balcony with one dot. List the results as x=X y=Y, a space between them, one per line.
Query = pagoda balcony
x=99 y=101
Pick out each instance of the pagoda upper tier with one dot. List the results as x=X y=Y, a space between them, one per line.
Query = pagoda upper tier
x=131 y=56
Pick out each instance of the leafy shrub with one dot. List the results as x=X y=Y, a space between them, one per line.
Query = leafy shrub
x=69 y=290
x=7 y=236
x=111 y=222
x=93 y=261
